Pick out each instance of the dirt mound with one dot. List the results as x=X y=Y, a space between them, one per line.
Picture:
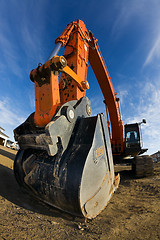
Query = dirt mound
x=133 y=212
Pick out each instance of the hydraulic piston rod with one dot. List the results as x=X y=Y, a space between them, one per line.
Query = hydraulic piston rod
x=55 y=50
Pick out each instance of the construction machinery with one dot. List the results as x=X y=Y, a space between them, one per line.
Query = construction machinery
x=67 y=156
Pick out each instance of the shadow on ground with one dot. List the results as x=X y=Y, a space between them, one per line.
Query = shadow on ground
x=10 y=190
x=7 y=154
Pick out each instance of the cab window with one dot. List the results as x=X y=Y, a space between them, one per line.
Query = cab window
x=132 y=136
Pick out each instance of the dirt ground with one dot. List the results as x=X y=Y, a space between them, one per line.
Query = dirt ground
x=133 y=212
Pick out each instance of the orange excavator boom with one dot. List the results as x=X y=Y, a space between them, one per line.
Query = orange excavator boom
x=112 y=102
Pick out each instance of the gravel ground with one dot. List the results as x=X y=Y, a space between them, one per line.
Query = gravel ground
x=133 y=212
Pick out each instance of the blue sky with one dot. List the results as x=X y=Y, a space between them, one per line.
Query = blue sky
x=128 y=33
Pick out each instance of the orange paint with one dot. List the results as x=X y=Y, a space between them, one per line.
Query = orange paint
x=76 y=53
x=47 y=100
x=80 y=46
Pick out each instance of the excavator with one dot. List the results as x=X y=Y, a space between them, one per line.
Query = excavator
x=67 y=156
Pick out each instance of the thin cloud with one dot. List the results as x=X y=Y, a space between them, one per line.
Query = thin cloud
x=9 y=56
x=9 y=115
x=127 y=11
x=97 y=105
x=154 y=52
x=132 y=13
x=31 y=42
x=14 y=50
x=148 y=108
x=122 y=94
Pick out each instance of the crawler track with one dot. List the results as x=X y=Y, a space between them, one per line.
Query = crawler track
x=143 y=166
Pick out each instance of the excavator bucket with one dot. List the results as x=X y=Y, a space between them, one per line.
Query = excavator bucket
x=68 y=163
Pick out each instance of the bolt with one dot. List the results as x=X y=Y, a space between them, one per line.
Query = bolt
x=88 y=110
x=71 y=114
x=63 y=61
x=85 y=84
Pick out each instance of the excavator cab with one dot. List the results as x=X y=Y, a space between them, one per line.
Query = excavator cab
x=133 y=141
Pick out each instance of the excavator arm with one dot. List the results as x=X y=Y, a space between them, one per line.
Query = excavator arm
x=112 y=102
